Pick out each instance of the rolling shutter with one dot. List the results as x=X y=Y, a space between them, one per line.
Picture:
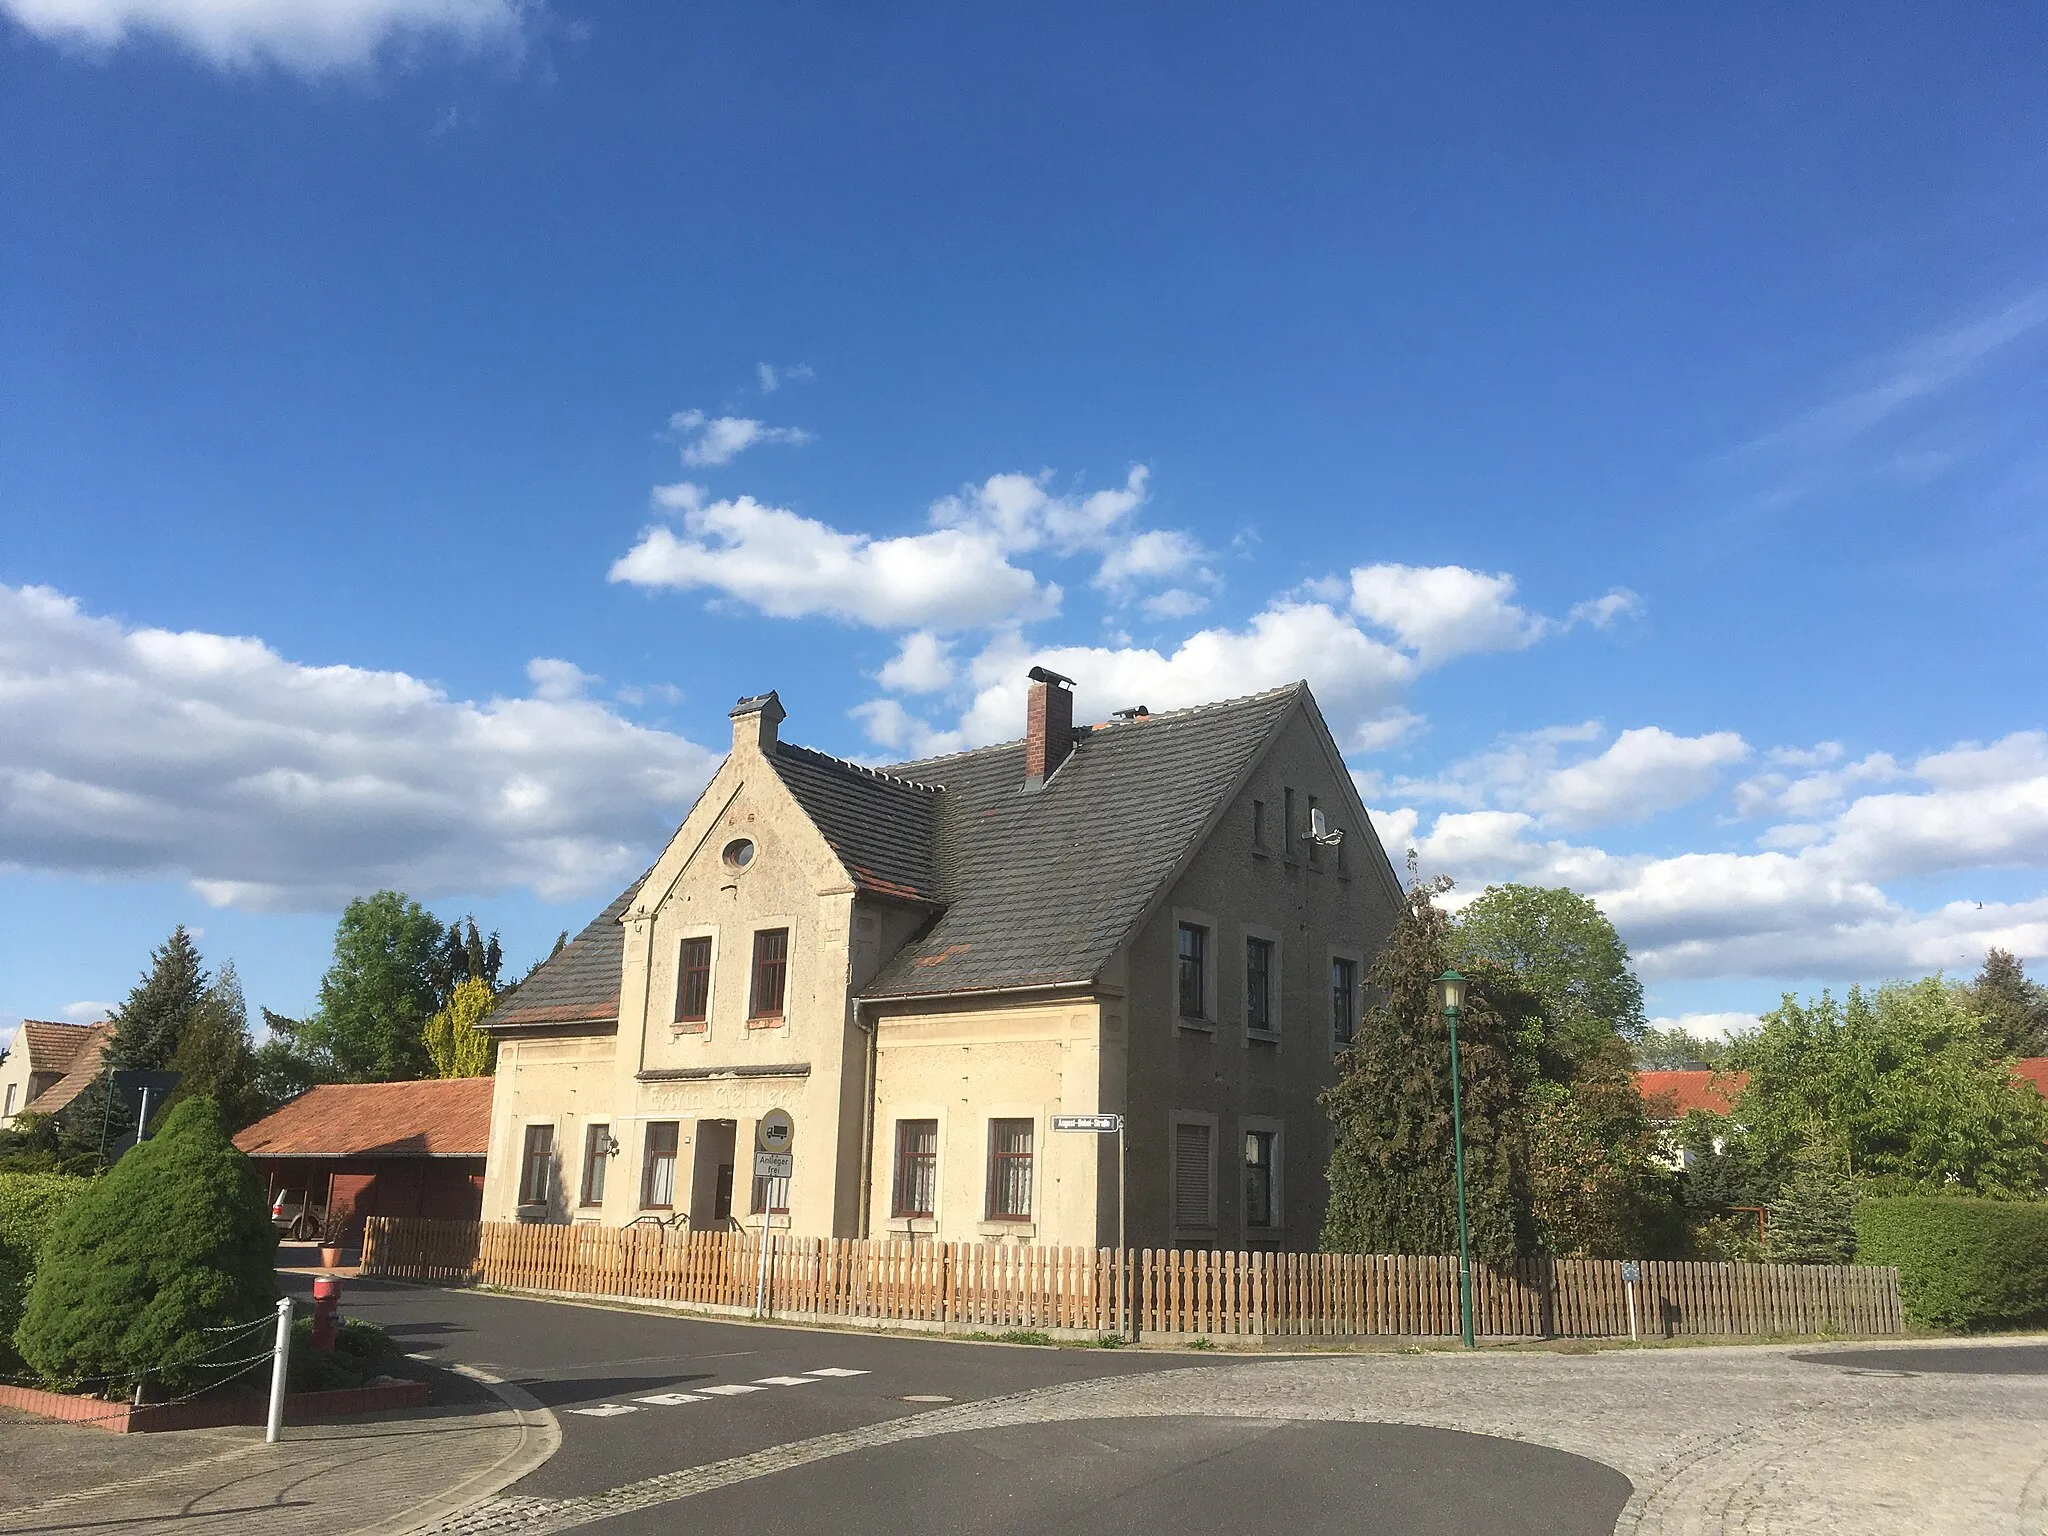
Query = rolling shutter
x=1193 y=1167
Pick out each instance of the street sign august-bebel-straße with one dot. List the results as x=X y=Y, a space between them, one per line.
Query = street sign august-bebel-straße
x=1087 y=1122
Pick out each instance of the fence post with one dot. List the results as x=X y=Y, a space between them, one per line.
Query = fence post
x=280 y=1354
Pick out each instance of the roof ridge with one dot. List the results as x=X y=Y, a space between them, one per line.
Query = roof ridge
x=1262 y=696
x=861 y=768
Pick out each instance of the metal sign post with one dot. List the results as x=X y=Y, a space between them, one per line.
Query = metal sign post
x=1102 y=1125
x=1631 y=1272
x=774 y=1158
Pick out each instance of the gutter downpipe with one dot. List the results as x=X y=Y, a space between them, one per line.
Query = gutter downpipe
x=867 y=1121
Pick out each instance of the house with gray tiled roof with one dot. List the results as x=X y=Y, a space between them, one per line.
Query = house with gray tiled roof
x=1166 y=918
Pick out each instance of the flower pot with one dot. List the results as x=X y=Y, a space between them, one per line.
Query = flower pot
x=330 y=1255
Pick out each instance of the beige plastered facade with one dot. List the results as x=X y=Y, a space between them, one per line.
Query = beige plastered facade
x=1114 y=1043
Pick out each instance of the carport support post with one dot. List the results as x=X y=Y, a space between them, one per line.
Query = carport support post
x=281 y=1353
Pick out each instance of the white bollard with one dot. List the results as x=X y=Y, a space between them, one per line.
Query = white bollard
x=280 y=1356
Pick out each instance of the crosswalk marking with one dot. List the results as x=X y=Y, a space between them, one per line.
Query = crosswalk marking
x=720 y=1389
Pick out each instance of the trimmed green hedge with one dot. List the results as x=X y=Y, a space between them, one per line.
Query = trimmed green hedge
x=29 y=1206
x=1963 y=1262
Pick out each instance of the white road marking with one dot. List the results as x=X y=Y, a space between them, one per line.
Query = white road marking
x=606 y=1410
x=835 y=1370
x=732 y=1390
x=787 y=1381
x=670 y=1399
x=725 y=1389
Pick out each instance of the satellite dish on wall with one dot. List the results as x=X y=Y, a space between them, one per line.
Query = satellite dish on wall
x=1320 y=832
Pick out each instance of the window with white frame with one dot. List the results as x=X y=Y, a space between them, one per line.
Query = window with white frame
x=1194 y=1175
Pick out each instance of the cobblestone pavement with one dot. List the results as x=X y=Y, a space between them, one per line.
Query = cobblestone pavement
x=340 y=1478
x=1752 y=1439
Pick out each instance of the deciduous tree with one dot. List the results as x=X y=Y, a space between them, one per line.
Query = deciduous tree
x=1567 y=953
x=378 y=993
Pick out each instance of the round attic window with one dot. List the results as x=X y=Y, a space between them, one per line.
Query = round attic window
x=739 y=853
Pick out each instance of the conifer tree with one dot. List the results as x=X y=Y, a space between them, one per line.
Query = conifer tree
x=215 y=1057
x=1813 y=1220
x=1392 y=1176
x=454 y=1043
x=147 y=1029
x=2013 y=1008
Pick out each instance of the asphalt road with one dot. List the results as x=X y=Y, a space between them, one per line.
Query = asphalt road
x=1187 y=1476
x=642 y=1394
x=2008 y=1360
x=580 y=1358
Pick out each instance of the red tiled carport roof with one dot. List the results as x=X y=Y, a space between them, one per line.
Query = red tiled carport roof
x=441 y=1117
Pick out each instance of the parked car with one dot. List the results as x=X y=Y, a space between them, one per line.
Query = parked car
x=294 y=1215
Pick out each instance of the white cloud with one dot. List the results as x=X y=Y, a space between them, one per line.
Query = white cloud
x=147 y=753
x=1021 y=514
x=1645 y=771
x=1443 y=611
x=772 y=378
x=921 y=665
x=1709 y=1026
x=1355 y=677
x=1819 y=791
x=1813 y=905
x=86 y=1012
x=1159 y=554
x=709 y=441
x=311 y=36
x=890 y=725
x=1606 y=611
x=1173 y=603
x=553 y=678
x=791 y=567
x=1387 y=729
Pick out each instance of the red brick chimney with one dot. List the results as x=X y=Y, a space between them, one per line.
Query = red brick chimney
x=1048 y=726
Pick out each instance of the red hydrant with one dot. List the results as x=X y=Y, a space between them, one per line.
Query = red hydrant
x=326 y=1311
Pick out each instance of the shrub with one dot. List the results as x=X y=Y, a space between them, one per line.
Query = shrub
x=1964 y=1262
x=359 y=1356
x=29 y=1204
x=173 y=1241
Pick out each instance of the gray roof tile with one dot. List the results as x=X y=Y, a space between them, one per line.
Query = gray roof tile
x=1042 y=888
x=878 y=824
x=579 y=983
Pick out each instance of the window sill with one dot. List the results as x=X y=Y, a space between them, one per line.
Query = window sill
x=689 y=1027
x=1261 y=1036
x=1198 y=1026
x=913 y=1226
x=771 y=1021
x=1022 y=1228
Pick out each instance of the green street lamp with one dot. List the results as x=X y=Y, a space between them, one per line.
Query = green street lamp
x=1450 y=997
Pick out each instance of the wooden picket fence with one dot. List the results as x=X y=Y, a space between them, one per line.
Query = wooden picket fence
x=1152 y=1292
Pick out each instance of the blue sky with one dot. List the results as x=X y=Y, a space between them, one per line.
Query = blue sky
x=421 y=419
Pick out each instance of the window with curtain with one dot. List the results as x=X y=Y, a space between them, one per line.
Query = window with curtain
x=1258 y=1178
x=1009 y=1170
x=658 y=1175
x=917 y=1167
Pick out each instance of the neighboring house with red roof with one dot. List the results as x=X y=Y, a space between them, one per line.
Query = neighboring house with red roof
x=378 y=1149
x=2033 y=1069
x=48 y=1066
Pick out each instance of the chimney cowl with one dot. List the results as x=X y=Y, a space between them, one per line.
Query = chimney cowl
x=754 y=721
x=1048 y=726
